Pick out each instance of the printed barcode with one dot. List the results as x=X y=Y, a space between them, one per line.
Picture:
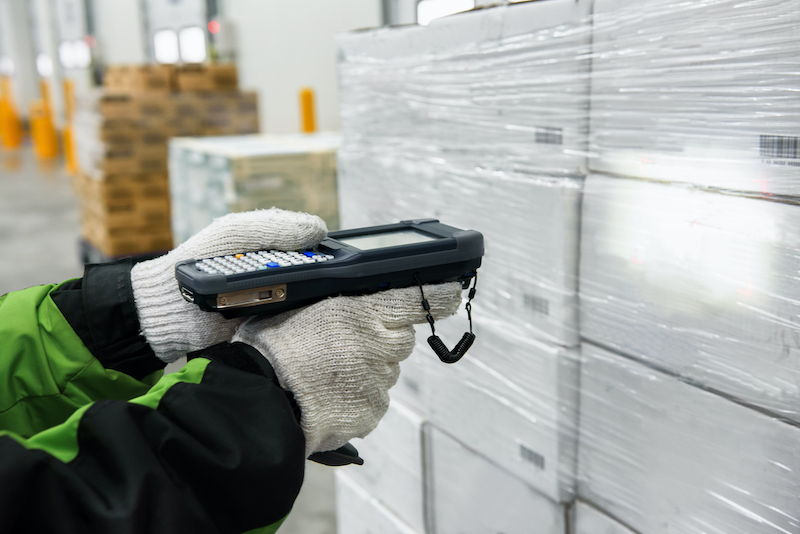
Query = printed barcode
x=536 y=304
x=529 y=455
x=550 y=136
x=780 y=146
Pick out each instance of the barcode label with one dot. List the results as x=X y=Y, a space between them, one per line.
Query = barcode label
x=536 y=304
x=780 y=146
x=550 y=136
x=531 y=456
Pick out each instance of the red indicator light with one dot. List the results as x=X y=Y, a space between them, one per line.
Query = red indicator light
x=214 y=26
x=90 y=41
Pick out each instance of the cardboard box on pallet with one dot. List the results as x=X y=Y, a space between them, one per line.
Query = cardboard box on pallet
x=513 y=399
x=128 y=240
x=122 y=186
x=214 y=176
x=713 y=102
x=201 y=77
x=393 y=464
x=125 y=214
x=140 y=77
x=133 y=158
x=698 y=283
x=664 y=456
x=358 y=512
x=467 y=493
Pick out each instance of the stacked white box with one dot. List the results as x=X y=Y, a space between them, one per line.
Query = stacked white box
x=470 y=495
x=412 y=386
x=357 y=512
x=515 y=401
x=529 y=272
x=392 y=470
x=481 y=120
x=462 y=89
x=210 y=177
x=447 y=121
x=587 y=519
x=701 y=92
x=664 y=456
x=702 y=284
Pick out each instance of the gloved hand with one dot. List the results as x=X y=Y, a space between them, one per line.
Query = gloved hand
x=340 y=356
x=173 y=326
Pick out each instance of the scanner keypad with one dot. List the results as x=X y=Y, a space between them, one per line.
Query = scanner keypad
x=259 y=261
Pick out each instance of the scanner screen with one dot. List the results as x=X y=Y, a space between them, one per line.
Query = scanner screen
x=386 y=239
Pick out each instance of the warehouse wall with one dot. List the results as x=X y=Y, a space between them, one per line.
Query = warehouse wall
x=284 y=46
x=15 y=40
x=119 y=31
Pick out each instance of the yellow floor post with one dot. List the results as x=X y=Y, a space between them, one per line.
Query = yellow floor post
x=43 y=133
x=10 y=123
x=308 y=123
x=70 y=155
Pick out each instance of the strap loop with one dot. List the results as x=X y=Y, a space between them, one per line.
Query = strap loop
x=438 y=346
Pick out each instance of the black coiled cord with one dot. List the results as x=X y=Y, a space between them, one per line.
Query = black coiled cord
x=436 y=343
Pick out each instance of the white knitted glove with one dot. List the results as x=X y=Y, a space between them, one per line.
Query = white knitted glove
x=340 y=356
x=173 y=326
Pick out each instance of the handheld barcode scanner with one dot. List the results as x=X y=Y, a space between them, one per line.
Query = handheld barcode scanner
x=348 y=262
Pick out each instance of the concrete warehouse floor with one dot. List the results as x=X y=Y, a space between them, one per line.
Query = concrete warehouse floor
x=39 y=229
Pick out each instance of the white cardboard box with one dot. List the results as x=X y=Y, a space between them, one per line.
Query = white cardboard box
x=469 y=495
x=213 y=176
x=530 y=224
x=699 y=283
x=513 y=400
x=412 y=385
x=713 y=102
x=502 y=88
x=392 y=470
x=586 y=519
x=664 y=456
x=357 y=512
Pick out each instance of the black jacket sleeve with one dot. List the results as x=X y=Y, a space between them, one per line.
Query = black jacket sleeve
x=216 y=447
x=222 y=451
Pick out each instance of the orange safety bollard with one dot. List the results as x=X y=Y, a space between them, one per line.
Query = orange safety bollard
x=44 y=89
x=43 y=133
x=69 y=99
x=308 y=122
x=10 y=123
x=70 y=154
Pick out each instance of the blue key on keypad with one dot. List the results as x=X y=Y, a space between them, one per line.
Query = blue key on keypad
x=272 y=265
x=309 y=254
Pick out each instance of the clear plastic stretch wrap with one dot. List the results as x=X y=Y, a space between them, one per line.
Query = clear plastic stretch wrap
x=703 y=92
x=664 y=456
x=697 y=283
x=633 y=166
x=505 y=89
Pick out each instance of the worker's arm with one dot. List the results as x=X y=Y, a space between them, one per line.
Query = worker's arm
x=215 y=447
x=64 y=346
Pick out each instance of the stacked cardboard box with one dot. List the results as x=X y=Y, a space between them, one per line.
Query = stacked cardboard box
x=636 y=365
x=478 y=142
x=217 y=175
x=122 y=134
x=689 y=297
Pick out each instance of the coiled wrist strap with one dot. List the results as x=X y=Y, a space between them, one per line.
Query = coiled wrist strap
x=436 y=343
